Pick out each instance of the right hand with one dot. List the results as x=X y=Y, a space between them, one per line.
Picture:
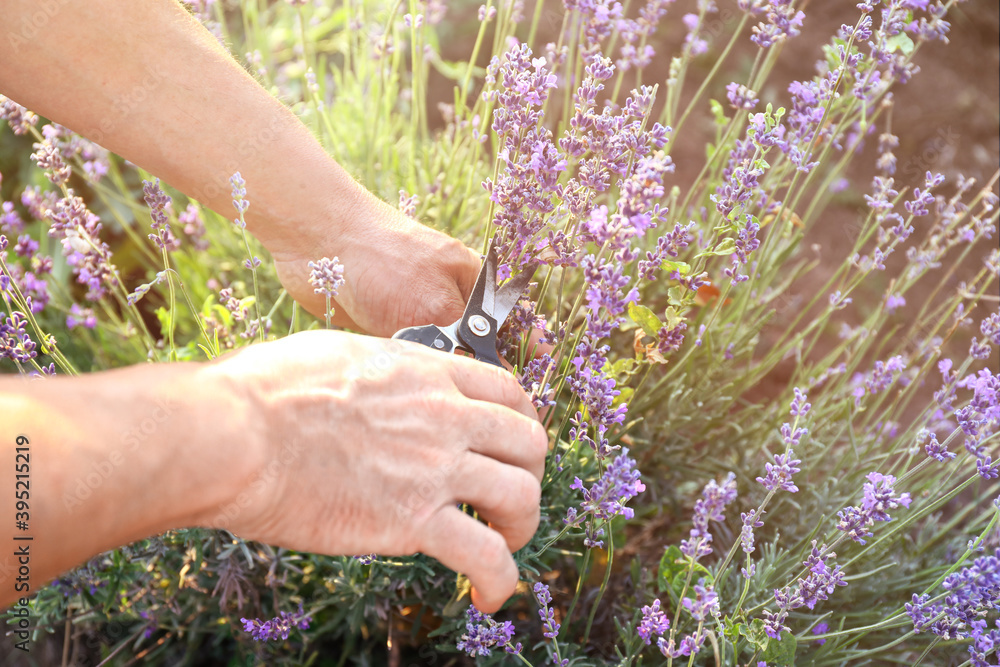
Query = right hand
x=377 y=442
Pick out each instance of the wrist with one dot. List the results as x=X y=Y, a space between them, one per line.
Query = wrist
x=224 y=446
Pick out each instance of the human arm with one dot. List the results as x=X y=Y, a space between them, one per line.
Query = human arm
x=148 y=82
x=324 y=441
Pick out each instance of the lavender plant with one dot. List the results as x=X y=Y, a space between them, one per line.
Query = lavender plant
x=740 y=473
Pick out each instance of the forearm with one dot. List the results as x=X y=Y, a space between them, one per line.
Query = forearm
x=112 y=457
x=147 y=81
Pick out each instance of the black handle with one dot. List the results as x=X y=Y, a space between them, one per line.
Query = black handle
x=428 y=335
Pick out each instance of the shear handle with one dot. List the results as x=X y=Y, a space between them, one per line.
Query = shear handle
x=429 y=334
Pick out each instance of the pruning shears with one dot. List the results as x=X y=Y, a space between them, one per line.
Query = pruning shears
x=476 y=331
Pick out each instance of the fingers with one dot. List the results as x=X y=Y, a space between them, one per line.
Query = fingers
x=484 y=382
x=467 y=546
x=506 y=436
x=467 y=272
x=504 y=495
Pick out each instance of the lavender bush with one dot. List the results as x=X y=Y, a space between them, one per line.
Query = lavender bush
x=740 y=473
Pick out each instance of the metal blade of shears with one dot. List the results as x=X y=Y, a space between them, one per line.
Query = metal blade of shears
x=512 y=291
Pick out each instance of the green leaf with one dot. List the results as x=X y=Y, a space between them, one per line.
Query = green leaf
x=673 y=572
x=672 y=563
x=624 y=397
x=672 y=317
x=682 y=268
x=731 y=629
x=780 y=652
x=725 y=247
x=902 y=42
x=755 y=634
x=645 y=318
x=719 y=112
x=624 y=368
x=676 y=294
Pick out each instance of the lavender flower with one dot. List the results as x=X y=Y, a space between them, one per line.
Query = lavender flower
x=704 y=604
x=240 y=201
x=710 y=507
x=141 y=291
x=779 y=474
x=751 y=520
x=194 y=226
x=973 y=593
x=26 y=246
x=19 y=118
x=276 y=628
x=15 y=343
x=80 y=317
x=482 y=634
x=158 y=203
x=408 y=204
x=533 y=376
x=879 y=498
x=740 y=97
x=894 y=301
x=668 y=245
x=979 y=419
x=881 y=378
x=822 y=579
x=934 y=449
x=48 y=157
x=607 y=497
x=326 y=276
x=550 y=628
x=694 y=45
x=241 y=313
x=783 y=21
x=79 y=230
x=654 y=621
x=10 y=219
x=820 y=582
x=669 y=339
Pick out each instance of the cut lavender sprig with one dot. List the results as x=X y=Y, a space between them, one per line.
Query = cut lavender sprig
x=277 y=628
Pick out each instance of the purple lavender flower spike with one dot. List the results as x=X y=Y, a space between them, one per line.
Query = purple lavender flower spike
x=550 y=628
x=973 y=594
x=276 y=628
x=704 y=604
x=607 y=497
x=80 y=317
x=326 y=276
x=158 y=202
x=15 y=343
x=482 y=634
x=710 y=507
x=934 y=449
x=779 y=474
x=879 y=498
x=239 y=193
x=654 y=622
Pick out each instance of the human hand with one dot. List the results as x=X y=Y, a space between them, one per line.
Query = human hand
x=376 y=442
x=398 y=272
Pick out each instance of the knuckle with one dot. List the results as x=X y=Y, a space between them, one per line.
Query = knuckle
x=442 y=304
